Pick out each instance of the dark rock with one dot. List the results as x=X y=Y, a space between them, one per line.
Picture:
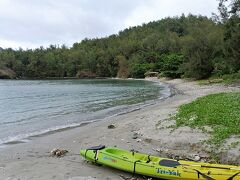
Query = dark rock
x=85 y=74
x=111 y=126
x=135 y=136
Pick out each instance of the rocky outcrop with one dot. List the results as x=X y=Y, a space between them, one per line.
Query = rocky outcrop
x=151 y=74
x=85 y=74
x=6 y=73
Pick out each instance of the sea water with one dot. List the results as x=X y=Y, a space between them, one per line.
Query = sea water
x=34 y=107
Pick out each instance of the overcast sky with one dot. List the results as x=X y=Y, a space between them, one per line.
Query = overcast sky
x=32 y=23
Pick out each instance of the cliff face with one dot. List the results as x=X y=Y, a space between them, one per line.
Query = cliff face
x=6 y=73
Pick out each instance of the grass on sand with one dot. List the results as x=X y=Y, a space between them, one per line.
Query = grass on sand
x=220 y=112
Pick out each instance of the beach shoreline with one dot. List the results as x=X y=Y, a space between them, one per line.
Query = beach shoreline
x=149 y=125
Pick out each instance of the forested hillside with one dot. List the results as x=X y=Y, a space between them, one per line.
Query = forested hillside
x=187 y=46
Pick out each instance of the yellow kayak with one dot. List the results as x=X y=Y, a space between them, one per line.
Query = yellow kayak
x=159 y=167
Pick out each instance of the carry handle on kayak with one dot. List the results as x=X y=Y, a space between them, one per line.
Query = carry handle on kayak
x=95 y=149
x=96 y=156
x=203 y=175
x=134 y=166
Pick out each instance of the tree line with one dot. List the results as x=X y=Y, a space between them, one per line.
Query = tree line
x=187 y=46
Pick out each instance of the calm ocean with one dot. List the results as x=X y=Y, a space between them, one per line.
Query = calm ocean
x=33 y=107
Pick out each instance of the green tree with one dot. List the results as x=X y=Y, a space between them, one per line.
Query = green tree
x=230 y=17
x=169 y=65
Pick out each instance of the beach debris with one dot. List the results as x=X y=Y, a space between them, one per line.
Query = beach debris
x=58 y=152
x=157 y=149
x=111 y=126
x=148 y=140
x=83 y=178
x=197 y=158
x=135 y=135
x=139 y=140
x=189 y=157
x=133 y=178
x=127 y=178
x=148 y=178
x=53 y=152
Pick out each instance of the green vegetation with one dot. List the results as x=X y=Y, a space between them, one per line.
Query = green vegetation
x=226 y=79
x=210 y=81
x=220 y=112
x=187 y=46
x=231 y=78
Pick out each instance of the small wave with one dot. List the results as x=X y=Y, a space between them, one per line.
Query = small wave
x=25 y=137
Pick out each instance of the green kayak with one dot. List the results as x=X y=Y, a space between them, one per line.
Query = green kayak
x=164 y=168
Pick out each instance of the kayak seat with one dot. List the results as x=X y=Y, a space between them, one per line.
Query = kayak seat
x=100 y=147
x=169 y=163
x=149 y=159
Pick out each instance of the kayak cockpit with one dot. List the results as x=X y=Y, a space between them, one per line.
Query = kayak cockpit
x=133 y=156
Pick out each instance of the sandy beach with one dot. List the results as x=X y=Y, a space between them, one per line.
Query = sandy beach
x=145 y=130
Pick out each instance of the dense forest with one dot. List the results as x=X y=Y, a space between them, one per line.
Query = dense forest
x=187 y=46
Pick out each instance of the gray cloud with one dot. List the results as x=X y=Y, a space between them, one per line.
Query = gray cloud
x=29 y=23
